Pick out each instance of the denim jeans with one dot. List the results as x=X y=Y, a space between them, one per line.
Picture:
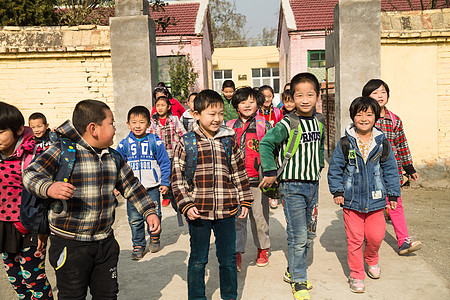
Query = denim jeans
x=225 y=234
x=300 y=209
x=137 y=221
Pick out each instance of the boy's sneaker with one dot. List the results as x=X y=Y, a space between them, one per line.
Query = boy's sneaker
x=374 y=272
x=356 y=285
x=262 y=259
x=273 y=203
x=300 y=291
x=287 y=278
x=238 y=261
x=154 y=244
x=165 y=202
x=138 y=252
x=409 y=247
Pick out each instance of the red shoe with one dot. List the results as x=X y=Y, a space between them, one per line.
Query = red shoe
x=165 y=202
x=263 y=257
x=238 y=261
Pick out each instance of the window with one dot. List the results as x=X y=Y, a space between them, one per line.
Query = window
x=163 y=69
x=219 y=77
x=316 y=58
x=266 y=76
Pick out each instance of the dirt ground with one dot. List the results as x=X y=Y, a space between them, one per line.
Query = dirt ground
x=428 y=218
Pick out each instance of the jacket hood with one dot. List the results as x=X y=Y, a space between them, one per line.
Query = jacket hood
x=223 y=131
x=67 y=130
x=187 y=114
x=25 y=143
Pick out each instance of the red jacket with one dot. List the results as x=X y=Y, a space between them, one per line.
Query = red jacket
x=177 y=108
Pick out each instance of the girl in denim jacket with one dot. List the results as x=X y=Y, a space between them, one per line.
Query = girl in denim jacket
x=360 y=181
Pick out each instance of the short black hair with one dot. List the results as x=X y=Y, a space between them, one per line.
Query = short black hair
x=11 y=118
x=266 y=87
x=244 y=93
x=228 y=84
x=139 y=111
x=192 y=94
x=161 y=89
x=88 y=111
x=206 y=98
x=286 y=85
x=363 y=104
x=38 y=116
x=305 y=77
x=372 y=85
x=286 y=94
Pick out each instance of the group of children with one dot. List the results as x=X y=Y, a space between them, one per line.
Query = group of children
x=217 y=159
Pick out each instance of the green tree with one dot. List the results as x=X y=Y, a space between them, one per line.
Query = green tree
x=268 y=37
x=27 y=12
x=227 y=25
x=182 y=75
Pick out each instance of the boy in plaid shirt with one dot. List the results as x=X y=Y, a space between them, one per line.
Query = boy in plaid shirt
x=211 y=202
x=392 y=127
x=83 y=250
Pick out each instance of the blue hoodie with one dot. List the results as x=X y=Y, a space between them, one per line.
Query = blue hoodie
x=152 y=169
x=364 y=185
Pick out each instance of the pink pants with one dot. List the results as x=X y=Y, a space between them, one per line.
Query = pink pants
x=358 y=226
x=399 y=222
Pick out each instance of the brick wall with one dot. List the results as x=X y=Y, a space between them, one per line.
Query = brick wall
x=50 y=69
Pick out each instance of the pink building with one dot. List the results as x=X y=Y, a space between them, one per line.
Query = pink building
x=191 y=35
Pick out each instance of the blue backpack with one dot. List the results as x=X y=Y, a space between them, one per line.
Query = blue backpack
x=190 y=144
x=151 y=141
x=34 y=211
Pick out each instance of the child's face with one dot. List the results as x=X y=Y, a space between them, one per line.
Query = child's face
x=190 y=102
x=105 y=132
x=159 y=94
x=8 y=141
x=305 y=98
x=364 y=121
x=268 y=96
x=289 y=104
x=380 y=95
x=138 y=125
x=162 y=108
x=210 y=119
x=39 y=128
x=247 y=108
x=228 y=92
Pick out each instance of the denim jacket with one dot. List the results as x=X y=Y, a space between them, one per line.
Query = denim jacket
x=364 y=185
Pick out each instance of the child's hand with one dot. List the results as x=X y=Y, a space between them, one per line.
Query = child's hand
x=244 y=212
x=42 y=241
x=267 y=182
x=61 y=190
x=116 y=192
x=339 y=200
x=153 y=224
x=163 y=189
x=192 y=213
x=393 y=205
x=414 y=176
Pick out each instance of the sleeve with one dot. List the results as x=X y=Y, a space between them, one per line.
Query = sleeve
x=179 y=107
x=121 y=152
x=180 y=186
x=163 y=161
x=239 y=177
x=38 y=176
x=267 y=146
x=336 y=171
x=390 y=176
x=402 y=147
x=132 y=190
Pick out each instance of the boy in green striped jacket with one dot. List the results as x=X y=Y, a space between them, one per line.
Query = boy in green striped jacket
x=299 y=181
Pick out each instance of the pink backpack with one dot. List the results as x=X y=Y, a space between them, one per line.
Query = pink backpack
x=394 y=119
x=260 y=126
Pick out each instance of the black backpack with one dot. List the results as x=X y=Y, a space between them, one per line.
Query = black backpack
x=34 y=211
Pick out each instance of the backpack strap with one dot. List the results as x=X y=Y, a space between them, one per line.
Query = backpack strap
x=152 y=143
x=295 y=135
x=126 y=146
x=386 y=150
x=394 y=119
x=231 y=123
x=345 y=147
x=228 y=146
x=277 y=113
x=53 y=136
x=260 y=126
x=27 y=158
x=190 y=145
x=117 y=158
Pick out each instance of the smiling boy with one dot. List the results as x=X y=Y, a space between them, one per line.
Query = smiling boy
x=219 y=185
x=83 y=249
x=43 y=136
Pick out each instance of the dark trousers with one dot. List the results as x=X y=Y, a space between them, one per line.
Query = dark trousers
x=79 y=265
x=225 y=233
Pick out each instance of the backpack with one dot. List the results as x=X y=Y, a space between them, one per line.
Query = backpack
x=394 y=120
x=152 y=144
x=345 y=147
x=260 y=126
x=190 y=144
x=34 y=211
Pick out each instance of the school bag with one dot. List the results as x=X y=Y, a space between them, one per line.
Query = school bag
x=394 y=120
x=295 y=136
x=34 y=211
x=345 y=147
x=260 y=126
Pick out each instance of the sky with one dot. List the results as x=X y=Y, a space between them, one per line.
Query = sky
x=259 y=13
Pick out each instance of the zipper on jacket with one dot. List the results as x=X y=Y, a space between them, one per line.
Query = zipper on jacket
x=214 y=177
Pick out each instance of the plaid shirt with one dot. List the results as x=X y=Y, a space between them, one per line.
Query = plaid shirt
x=216 y=193
x=396 y=136
x=90 y=212
x=170 y=133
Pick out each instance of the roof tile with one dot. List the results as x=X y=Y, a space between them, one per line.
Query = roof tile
x=185 y=15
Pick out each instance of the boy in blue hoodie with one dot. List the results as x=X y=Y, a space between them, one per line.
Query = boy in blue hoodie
x=146 y=155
